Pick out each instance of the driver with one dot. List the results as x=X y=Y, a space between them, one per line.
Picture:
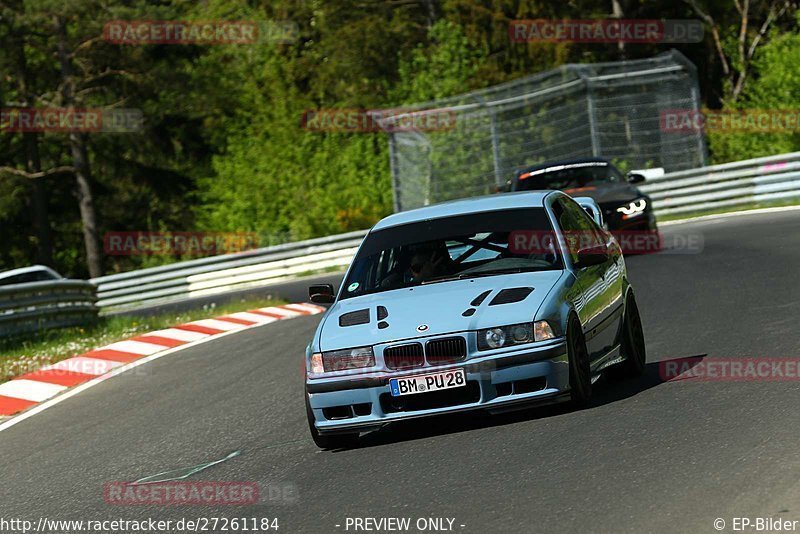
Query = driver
x=426 y=265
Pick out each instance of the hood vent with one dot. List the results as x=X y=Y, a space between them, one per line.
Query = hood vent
x=509 y=296
x=354 y=318
x=480 y=298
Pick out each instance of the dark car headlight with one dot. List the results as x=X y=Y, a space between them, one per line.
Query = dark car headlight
x=342 y=360
x=633 y=208
x=515 y=334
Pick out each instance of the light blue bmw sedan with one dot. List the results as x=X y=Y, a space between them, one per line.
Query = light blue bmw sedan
x=487 y=303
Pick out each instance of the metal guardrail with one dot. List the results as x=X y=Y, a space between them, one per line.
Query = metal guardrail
x=727 y=185
x=229 y=272
x=48 y=304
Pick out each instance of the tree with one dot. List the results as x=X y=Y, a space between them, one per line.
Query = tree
x=738 y=35
x=775 y=85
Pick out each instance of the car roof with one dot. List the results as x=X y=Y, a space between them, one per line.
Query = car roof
x=31 y=269
x=573 y=161
x=501 y=201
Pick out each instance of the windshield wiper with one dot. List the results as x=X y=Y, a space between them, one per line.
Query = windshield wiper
x=448 y=278
x=493 y=272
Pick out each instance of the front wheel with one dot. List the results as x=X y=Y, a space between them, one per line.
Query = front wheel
x=323 y=441
x=580 y=374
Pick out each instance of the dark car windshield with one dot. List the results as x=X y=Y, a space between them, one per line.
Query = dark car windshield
x=438 y=250
x=569 y=176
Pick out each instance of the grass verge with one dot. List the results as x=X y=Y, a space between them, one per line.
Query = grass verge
x=28 y=352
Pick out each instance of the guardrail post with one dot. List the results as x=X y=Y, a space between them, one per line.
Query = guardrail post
x=498 y=169
x=590 y=111
x=702 y=148
x=395 y=178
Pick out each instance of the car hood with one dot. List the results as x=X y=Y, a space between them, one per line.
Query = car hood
x=440 y=306
x=610 y=193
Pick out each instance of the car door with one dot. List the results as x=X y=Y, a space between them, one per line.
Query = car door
x=599 y=308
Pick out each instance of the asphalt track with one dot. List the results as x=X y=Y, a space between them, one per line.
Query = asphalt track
x=646 y=456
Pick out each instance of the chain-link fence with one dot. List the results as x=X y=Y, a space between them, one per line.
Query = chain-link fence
x=613 y=110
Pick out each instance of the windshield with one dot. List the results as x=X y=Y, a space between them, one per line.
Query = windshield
x=439 y=250
x=569 y=176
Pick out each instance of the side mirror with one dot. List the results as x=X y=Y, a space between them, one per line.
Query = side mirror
x=635 y=177
x=594 y=255
x=321 y=294
x=591 y=207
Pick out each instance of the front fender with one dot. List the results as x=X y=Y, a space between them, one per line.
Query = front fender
x=560 y=303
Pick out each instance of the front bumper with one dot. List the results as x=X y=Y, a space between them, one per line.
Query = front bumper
x=525 y=374
x=645 y=221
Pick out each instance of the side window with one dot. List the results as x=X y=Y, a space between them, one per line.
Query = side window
x=42 y=276
x=12 y=280
x=580 y=231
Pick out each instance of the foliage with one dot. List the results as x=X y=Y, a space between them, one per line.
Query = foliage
x=776 y=88
x=222 y=148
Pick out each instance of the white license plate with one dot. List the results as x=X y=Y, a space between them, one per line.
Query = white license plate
x=425 y=383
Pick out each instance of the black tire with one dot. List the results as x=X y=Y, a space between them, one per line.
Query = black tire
x=633 y=347
x=329 y=441
x=580 y=374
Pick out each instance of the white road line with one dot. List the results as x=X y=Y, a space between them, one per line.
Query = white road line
x=730 y=215
x=310 y=308
x=84 y=365
x=135 y=347
x=31 y=390
x=218 y=324
x=178 y=334
x=253 y=317
x=281 y=311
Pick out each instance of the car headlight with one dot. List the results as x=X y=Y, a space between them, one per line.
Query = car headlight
x=515 y=334
x=342 y=360
x=542 y=331
x=633 y=209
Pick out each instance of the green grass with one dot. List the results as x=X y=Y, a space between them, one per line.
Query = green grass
x=28 y=352
x=730 y=209
x=326 y=270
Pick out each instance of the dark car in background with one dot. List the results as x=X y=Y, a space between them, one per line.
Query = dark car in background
x=625 y=208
